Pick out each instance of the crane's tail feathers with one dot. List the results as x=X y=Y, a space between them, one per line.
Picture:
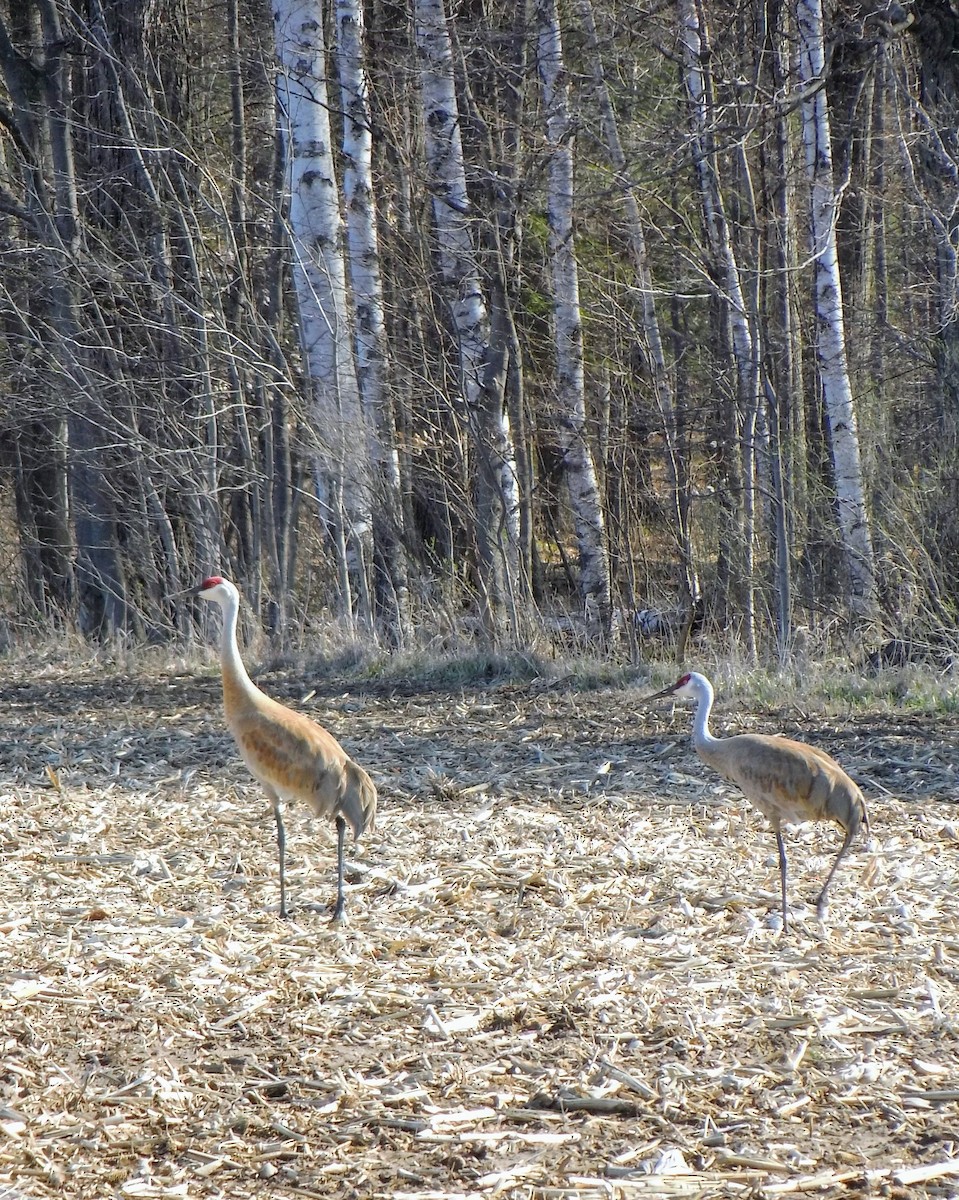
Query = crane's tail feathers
x=357 y=801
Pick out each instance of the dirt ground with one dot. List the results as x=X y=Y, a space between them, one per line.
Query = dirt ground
x=562 y=973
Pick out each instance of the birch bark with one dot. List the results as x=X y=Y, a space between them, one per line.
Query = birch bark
x=570 y=418
x=495 y=485
x=783 y=372
x=319 y=271
x=830 y=329
x=728 y=280
x=370 y=328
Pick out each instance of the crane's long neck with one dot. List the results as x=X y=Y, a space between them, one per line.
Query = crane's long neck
x=703 y=740
x=235 y=677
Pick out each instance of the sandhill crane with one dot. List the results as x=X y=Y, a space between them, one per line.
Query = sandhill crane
x=786 y=780
x=291 y=756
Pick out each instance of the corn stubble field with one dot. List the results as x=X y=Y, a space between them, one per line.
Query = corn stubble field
x=562 y=973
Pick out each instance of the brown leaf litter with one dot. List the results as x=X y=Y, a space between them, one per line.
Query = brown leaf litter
x=561 y=977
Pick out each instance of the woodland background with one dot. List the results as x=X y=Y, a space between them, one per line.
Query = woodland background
x=476 y=326
x=583 y=317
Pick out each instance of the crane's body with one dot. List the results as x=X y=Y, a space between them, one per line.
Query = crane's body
x=786 y=780
x=292 y=756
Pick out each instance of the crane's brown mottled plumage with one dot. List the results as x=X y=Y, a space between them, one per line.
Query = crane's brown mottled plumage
x=291 y=756
x=787 y=781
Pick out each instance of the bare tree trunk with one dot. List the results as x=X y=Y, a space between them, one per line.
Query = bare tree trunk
x=929 y=136
x=781 y=366
x=731 y=294
x=281 y=494
x=316 y=228
x=42 y=102
x=493 y=84
x=830 y=328
x=141 y=198
x=495 y=483
x=654 y=353
x=371 y=347
x=570 y=417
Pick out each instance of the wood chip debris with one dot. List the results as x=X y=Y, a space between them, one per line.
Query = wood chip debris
x=562 y=976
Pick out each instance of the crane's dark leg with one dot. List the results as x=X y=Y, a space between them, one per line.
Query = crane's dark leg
x=340 y=908
x=782 y=876
x=281 y=846
x=821 y=902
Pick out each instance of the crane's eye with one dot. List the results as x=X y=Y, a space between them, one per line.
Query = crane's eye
x=212 y=582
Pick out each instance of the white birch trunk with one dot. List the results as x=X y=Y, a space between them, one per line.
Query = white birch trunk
x=316 y=229
x=497 y=500
x=570 y=419
x=370 y=326
x=719 y=238
x=830 y=329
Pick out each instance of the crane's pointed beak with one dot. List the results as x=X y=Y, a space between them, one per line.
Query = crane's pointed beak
x=190 y=591
x=661 y=695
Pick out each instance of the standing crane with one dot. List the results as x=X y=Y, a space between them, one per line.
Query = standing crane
x=786 y=780
x=291 y=756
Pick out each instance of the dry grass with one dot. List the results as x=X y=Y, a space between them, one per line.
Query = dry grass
x=562 y=973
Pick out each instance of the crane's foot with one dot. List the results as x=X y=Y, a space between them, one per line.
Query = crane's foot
x=777 y=921
x=339 y=913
